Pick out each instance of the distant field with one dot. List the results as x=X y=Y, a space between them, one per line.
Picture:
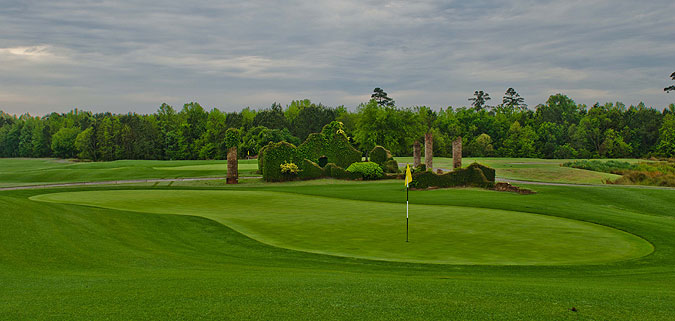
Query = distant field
x=17 y=172
x=530 y=169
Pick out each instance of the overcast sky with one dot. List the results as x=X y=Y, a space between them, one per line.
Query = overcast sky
x=123 y=56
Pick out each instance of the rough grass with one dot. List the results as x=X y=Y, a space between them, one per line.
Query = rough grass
x=69 y=262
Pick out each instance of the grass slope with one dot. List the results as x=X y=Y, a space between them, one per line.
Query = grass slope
x=69 y=262
x=374 y=230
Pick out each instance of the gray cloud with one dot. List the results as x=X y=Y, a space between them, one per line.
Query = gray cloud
x=124 y=56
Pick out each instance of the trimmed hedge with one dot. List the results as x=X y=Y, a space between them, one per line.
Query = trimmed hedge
x=391 y=166
x=274 y=156
x=473 y=175
x=311 y=170
x=366 y=170
x=261 y=156
x=331 y=143
x=379 y=155
x=382 y=156
x=487 y=171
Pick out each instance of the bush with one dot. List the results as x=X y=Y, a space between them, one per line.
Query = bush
x=274 y=156
x=473 y=175
x=366 y=170
x=391 y=166
x=421 y=168
x=331 y=143
x=289 y=171
x=487 y=171
x=611 y=166
x=311 y=170
x=379 y=155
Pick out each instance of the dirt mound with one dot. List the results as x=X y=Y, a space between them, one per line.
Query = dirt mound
x=506 y=187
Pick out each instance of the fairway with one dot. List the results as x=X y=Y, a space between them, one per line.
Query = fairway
x=376 y=230
x=211 y=167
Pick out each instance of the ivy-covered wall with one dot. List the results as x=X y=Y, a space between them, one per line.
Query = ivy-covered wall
x=474 y=175
x=275 y=155
x=332 y=143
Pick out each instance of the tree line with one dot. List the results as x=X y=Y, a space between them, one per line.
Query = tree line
x=558 y=128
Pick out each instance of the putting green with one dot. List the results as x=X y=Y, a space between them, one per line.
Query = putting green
x=210 y=167
x=374 y=230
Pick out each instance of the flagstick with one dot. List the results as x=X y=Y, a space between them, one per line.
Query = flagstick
x=406 y=212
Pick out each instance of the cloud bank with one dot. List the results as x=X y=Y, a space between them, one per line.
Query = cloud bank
x=126 y=56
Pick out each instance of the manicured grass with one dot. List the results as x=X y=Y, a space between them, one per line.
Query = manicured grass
x=18 y=172
x=373 y=230
x=73 y=262
x=530 y=169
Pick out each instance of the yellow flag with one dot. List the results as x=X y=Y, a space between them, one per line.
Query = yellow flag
x=408 y=175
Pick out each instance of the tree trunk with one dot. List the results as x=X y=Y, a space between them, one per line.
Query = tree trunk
x=429 y=151
x=457 y=153
x=232 y=166
x=417 y=154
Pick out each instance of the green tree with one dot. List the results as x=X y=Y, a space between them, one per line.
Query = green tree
x=271 y=118
x=382 y=98
x=671 y=87
x=63 y=142
x=479 y=100
x=520 y=142
x=559 y=109
x=40 y=140
x=106 y=139
x=613 y=145
x=666 y=145
x=481 y=146
x=85 y=143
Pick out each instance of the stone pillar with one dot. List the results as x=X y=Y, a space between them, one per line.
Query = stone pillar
x=457 y=153
x=417 y=154
x=232 y=166
x=429 y=151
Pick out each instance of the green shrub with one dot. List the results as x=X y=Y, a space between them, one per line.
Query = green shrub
x=275 y=155
x=421 y=168
x=261 y=156
x=331 y=143
x=379 y=155
x=611 y=166
x=366 y=170
x=474 y=175
x=289 y=169
x=232 y=137
x=311 y=170
x=391 y=166
x=487 y=171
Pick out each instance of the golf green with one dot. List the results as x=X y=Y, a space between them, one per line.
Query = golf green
x=376 y=230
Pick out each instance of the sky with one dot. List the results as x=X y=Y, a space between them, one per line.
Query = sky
x=132 y=56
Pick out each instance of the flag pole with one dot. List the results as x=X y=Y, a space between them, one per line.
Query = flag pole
x=408 y=179
x=406 y=212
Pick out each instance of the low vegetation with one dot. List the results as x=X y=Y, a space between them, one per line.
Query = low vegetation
x=654 y=173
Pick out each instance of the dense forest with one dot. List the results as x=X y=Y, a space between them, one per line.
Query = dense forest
x=559 y=128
